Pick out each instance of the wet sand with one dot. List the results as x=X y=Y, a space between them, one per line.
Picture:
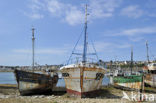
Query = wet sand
x=109 y=94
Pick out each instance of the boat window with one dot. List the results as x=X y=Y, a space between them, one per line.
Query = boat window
x=153 y=71
x=65 y=74
x=99 y=76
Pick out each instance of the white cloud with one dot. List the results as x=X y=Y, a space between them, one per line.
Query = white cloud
x=133 y=34
x=72 y=14
x=66 y=12
x=103 y=8
x=136 y=31
x=15 y=59
x=132 y=11
x=151 y=14
x=136 y=39
x=109 y=47
x=55 y=7
x=35 y=7
x=35 y=15
x=55 y=51
x=22 y=51
x=150 y=6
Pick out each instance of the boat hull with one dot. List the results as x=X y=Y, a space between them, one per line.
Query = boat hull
x=150 y=79
x=132 y=82
x=83 y=81
x=34 y=83
x=83 y=94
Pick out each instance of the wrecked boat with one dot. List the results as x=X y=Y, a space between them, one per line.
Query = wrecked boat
x=132 y=81
x=150 y=75
x=35 y=83
x=150 y=71
x=30 y=82
x=83 y=78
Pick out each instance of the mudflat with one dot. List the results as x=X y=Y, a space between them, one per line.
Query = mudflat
x=9 y=94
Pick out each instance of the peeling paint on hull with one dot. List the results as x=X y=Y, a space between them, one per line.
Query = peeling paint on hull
x=130 y=82
x=150 y=79
x=82 y=81
x=136 y=85
x=34 y=83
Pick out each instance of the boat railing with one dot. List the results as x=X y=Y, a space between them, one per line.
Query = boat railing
x=80 y=59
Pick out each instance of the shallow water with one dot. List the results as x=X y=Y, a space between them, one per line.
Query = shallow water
x=9 y=78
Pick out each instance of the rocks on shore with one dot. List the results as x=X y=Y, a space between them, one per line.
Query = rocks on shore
x=7 y=96
x=2 y=96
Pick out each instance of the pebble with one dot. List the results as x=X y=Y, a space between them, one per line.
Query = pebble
x=7 y=96
x=41 y=96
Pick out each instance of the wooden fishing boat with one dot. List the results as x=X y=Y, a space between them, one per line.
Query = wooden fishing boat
x=83 y=78
x=30 y=82
x=35 y=83
x=150 y=76
x=150 y=71
x=131 y=81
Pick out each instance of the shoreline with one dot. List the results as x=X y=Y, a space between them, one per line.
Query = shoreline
x=109 y=94
x=6 y=71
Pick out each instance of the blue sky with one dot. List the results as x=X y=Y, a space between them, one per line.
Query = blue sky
x=113 y=25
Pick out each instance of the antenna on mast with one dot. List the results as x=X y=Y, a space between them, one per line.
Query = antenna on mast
x=33 y=51
x=147 y=52
x=131 y=59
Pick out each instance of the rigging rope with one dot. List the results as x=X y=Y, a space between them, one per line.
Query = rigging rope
x=75 y=46
x=94 y=50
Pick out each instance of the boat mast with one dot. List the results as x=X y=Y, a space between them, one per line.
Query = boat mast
x=147 y=52
x=33 y=51
x=85 y=38
x=131 y=59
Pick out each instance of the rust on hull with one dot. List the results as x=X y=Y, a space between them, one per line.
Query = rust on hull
x=150 y=76
x=133 y=82
x=81 y=77
x=34 y=83
x=81 y=80
x=83 y=94
x=150 y=79
x=132 y=86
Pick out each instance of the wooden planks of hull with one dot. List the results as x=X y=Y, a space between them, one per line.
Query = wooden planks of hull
x=34 y=83
x=82 y=83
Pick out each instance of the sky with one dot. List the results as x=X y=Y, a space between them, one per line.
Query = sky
x=114 y=26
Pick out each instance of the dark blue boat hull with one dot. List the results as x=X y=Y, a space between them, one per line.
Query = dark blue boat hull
x=34 y=83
